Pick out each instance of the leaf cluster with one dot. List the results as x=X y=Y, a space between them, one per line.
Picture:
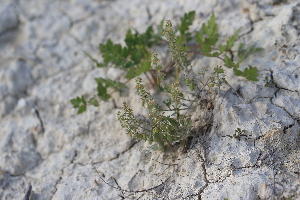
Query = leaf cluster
x=133 y=58
x=186 y=22
x=209 y=38
x=269 y=82
x=103 y=85
x=167 y=124
x=164 y=130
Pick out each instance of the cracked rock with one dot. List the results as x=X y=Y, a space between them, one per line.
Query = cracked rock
x=15 y=79
x=289 y=101
x=44 y=143
x=18 y=152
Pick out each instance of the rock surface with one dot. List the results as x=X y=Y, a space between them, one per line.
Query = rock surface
x=44 y=143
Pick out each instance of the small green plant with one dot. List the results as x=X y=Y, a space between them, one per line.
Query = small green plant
x=167 y=125
x=269 y=82
x=163 y=129
x=238 y=133
x=134 y=57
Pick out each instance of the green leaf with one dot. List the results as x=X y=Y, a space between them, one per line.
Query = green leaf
x=83 y=100
x=110 y=83
x=212 y=21
x=228 y=62
x=206 y=49
x=222 y=48
x=237 y=72
x=168 y=103
x=215 y=54
x=243 y=53
x=209 y=38
x=204 y=29
x=131 y=73
x=170 y=138
x=101 y=90
x=154 y=147
x=136 y=71
x=172 y=121
x=231 y=40
x=114 y=53
x=76 y=102
x=180 y=40
x=79 y=103
x=199 y=37
x=192 y=86
x=94 y=60
x=185 y=48
x=162 y=89
x=251 y=74
x=211 y=41
x=212 y=27
x=147 y=39
x=157 y=137
x=186 y=21
x=81 y=109
x=94 y=102
x=103 y=84
x=136 y=56
x=105 y=97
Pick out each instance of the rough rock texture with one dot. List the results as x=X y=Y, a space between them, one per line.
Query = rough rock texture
x=44 y=143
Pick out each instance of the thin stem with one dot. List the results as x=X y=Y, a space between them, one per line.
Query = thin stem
x=118 y=89
x=179 y=109
x=139 y=126
x=163 y=71
x=151 y=83
x=176 y=73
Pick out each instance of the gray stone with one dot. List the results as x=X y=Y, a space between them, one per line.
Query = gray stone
x=289 y=101
x=15 y=78
x=64 y=155
x=8 y=16
x=7 y=105
x=18 y=152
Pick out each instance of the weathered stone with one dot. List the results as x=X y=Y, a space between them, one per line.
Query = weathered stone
x=64 y=155
x=8 y=16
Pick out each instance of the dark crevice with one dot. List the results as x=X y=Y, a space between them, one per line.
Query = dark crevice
x=118 y=155
x=251 y=29
x=75 y=38
x=13 y=29
x=149 y=13
x=206 y=181
x=243 y=167
x=72 y=160
x=62 y=173
x=89 y=126
x=252 y=22
x=203 y=165
x=40 y=119
x=271 y=101
x=55 y=186
x=28 y=193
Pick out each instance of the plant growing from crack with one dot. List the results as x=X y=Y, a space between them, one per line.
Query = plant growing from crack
x=134 y=57
x=160 y=128
x=168 y=129
x=269 y=82
x=167 y=125
x=238 y=133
